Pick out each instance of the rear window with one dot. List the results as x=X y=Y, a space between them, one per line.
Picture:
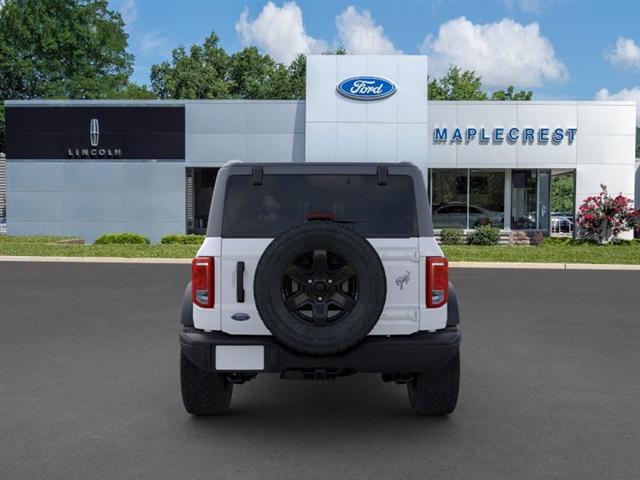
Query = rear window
x=282 y=201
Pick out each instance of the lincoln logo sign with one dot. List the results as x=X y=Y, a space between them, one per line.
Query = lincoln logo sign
x=94 y=132
x=95 y=151
x=510 y=135
x=366 y=88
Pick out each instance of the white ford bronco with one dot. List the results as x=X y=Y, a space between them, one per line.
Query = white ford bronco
x=317 y=271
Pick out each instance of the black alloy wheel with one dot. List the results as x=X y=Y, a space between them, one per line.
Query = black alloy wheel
x=320 y=287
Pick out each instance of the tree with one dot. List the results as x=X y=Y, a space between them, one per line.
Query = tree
x=562 y=192
x=510 y=95
x=256 y=76
x=201 y=73
x=62 y=49
x=208 y=72
x=298 y=74
x=457 y=85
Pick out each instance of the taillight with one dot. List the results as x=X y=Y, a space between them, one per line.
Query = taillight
x=437 y=281
x=202 y=281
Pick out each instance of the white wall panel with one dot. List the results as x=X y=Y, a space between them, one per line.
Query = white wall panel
x=411 y=98
x=606 y=149
x=412 y=142
x=617 y=178
x=348 y=110
x=351 y=142
x=382 y=142
x=549 y=115
x=385 y=110
x=389 y=129
x=606 y=118
x=321 y=101
x=320 y=142
x=502 y=155
x=542 y=156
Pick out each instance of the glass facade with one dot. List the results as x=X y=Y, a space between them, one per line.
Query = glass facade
x=464 y=198
x=486 y=198
x=469 y=198
x=449 y=198
x=524 y=192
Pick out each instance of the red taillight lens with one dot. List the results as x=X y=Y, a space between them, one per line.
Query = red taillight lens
x=202 y=281
x=437 y=281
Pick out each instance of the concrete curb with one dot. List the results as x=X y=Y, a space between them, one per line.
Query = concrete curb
x=513 y=265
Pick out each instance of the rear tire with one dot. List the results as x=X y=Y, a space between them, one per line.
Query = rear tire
x=203 y=393
x=436 y=393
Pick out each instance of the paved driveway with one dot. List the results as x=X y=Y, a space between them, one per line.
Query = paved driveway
x=89 y=387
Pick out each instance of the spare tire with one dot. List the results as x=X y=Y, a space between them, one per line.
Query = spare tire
x=320 y=288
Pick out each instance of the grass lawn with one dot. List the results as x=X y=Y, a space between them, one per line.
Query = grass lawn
x=43 y=246
x=553 y=253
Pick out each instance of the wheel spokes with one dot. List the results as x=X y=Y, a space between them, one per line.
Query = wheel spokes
x=297 y=274
x=297 y=300
x=343 y=274
x=342 y=300
x=320 y=261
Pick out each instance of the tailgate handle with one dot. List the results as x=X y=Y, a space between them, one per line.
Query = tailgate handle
x=240 y=282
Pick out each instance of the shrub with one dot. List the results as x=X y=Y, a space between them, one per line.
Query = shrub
x=557 y=241
x=451 y=236
x=602 y=217
x=485 y=235
x=122 y=239
x=183 y=239
x=537 y=239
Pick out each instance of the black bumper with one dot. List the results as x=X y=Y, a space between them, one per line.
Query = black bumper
x=419 y=352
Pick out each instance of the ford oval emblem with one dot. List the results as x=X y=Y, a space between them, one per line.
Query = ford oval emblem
x=240 y=317
x=366 y=88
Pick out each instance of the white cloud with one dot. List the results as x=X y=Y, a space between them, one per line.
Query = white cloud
x=528 y=6
x=626 y=53
x=278 y=31
x=632 y=94
x=504 y=53
x=129 y=12
x=360 y=34
x=151 y=41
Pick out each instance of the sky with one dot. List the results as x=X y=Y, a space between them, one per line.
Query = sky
x=561 y=50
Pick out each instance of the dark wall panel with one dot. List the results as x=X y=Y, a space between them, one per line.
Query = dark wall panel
x=145 y=132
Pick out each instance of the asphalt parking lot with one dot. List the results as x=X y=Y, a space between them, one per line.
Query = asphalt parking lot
x=89 y=387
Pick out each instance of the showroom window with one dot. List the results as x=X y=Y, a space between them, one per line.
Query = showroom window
x=465 y=198
x=530 y=199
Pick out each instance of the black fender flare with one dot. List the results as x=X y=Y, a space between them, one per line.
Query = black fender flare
x=186 y=314
x=453 y=312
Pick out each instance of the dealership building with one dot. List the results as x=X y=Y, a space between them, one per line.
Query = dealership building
x=84 y=168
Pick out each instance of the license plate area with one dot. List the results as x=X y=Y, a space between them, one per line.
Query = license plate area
x=239 y=357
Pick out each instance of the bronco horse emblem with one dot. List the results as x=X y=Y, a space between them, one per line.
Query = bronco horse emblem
x=402 y=280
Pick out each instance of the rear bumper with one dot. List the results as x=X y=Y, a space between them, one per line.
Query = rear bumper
x=420 y=352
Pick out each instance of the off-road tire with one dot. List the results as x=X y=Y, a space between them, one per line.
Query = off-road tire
x=353 y=327
x=203 y=393
x=436 y=393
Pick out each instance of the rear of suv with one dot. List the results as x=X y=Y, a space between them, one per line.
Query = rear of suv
x=318 y=271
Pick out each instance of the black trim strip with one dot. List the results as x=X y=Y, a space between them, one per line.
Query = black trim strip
x=240 y=282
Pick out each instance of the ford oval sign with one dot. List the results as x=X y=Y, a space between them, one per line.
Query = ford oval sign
x=366 y=88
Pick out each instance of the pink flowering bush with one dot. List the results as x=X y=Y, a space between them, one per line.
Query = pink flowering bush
x=604 y=217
